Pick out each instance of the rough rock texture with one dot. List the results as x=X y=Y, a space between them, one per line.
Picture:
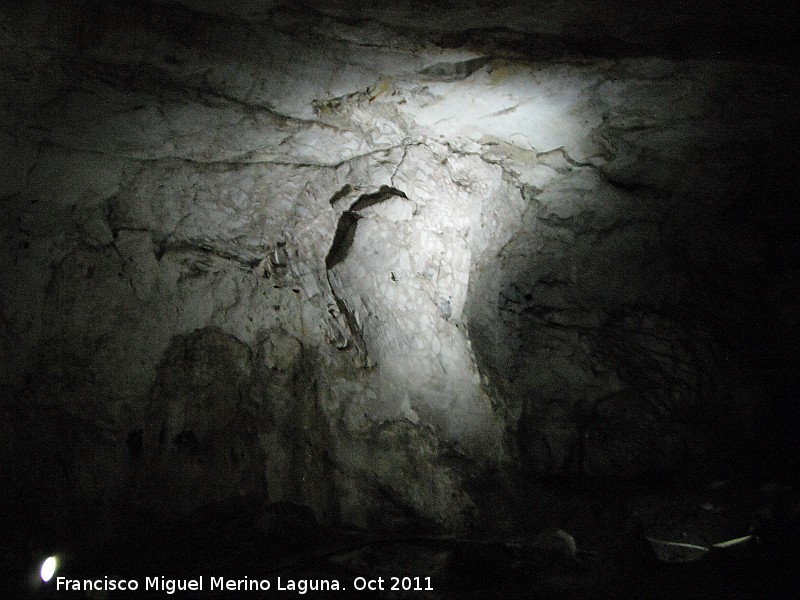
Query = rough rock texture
x=350 y=260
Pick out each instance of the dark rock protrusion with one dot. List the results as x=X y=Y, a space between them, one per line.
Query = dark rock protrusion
x=342 y=239
x=384 y=193
x=346 y=228
x=344 y=191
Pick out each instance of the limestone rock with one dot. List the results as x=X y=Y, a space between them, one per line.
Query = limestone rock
x=348 y=256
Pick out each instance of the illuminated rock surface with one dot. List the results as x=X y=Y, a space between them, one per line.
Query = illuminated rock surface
x=356 y=258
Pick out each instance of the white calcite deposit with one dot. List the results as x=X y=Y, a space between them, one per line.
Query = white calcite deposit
x=345 y=266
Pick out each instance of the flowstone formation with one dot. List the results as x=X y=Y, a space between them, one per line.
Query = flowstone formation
x=355 y=265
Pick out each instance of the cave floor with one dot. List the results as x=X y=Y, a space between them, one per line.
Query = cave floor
x=611 y=529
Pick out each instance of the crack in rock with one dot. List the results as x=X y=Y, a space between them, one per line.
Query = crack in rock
x=342 y=242
x=453 y=71
x=346 y=227
x=384 y=193
x=342 y=239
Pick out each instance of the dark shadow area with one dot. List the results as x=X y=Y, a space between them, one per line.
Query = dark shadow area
x=243 y=542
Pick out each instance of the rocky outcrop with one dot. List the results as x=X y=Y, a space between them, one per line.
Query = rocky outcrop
x=350 y=265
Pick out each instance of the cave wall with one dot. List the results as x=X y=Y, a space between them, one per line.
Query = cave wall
x=350 y=264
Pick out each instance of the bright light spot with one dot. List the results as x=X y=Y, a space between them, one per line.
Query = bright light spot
x=48 y=568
